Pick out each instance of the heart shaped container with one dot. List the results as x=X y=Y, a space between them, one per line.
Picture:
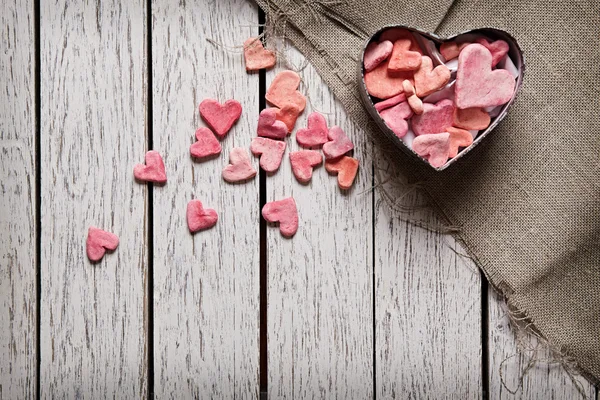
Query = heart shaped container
x=425 y=41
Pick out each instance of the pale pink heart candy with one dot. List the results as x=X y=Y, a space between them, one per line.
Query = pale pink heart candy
x=476 y=84
x=434 y=148
x=303 y=163
x=220 y=117
x=392 y=101
x=199 y=218
x=269 y=126
x=270 y=152
x=207 y=144
x=376 y=53
x=429 y=79
x=458 y=138
x=284 y=90
x=395 y=118
x=285 y=212
x=498 y=48
x=435 y=118
x=239 y=168
x=153 y=171
x=338 y=145
x=98 y=241
x=315 y=134
x=256 y=56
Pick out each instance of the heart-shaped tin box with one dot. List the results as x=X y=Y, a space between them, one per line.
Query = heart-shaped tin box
x=429 y=45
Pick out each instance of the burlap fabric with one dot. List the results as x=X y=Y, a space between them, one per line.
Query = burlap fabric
x=527 y=200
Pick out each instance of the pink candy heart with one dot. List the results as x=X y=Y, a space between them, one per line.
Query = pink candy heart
x=395 y=118
x=207 y=144
x=458 y=138
x=270 y=151
x=315 y=134
x=98 y=241
x=256 y=56
x=476 y=84
x=220 y=117
x=392 y=101
x=153 y=171
x=434 y=148
x=199 y=218
x=285 y=212
x=338 y=145
x=269 y=126
x=376 y=53
x=403 y=59
x=303 y=163
x=498 y=48
x=239 y=168
x=435 y=118
x=429 y=79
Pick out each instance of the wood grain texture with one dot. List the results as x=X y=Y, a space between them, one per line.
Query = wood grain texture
x=510 y=354
x=320 y=282
x=206 y=290
x=93 y=68
x=428 y=314
x=17 y=201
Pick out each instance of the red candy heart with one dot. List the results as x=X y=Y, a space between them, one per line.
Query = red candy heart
x=256 y=56
x=240 y=168
x=220 y=117
x=285 y=212
x=395 y=118
x=346 y=168
x=303 y=163
x=269 y=126
x=434 y=148
x=270 y=151
x=288 y=114
x=429 y=79
x=153 y=171
x=403 y=59
x=98 y=241
x=435 y=118
x=338 y=145
x=199 y=218
x=283 y=90
x=207 y=144
x=315 y=134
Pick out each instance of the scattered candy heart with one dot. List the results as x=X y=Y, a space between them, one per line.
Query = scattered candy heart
x=283 y=90
x=498 y=48
x=269 y=126
x=220 y=117
x=429 y=79
x=384 y=84
x=471 y=118
x=476 y=84
x=338 y=145
x=346 y=168
x=303 y=163
x=285 y=212
x=256 y=56
x=458 y=138
x=402 y=58
x=315 y=134
x=199 y=218
x=207 y=144
x=153 y=171
x=395 y=118
x=435 y=148
x=376 y=53
x=98 y=241
x=435 y=118
x=288 y=114
x=392 y=101
x=270 y=152
x=239 y=168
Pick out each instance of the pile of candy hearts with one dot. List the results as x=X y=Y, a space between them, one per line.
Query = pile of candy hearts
x=438 y=98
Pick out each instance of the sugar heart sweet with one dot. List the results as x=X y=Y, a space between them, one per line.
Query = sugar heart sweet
x=98 y=241
x=392 y=101
x=269 y=126
x=240 y=168
x=315 y=134
x=394 y=34
x=288 y=114
x=413 y=100
x=429 y=79
x=256 y=56
x=383 y=84
x=338 y=145
x=285 y=212
x=207 y=144
x=376 y=53
x=200 y=218
x=451 y=50
x=284 y=90
x=435 y=148
x=395 y=118
x=345 y=168
x=402 y=58
x=458 y=138
x=435 y=118
x=220 y=117
x=471 y=118
x=303 y=162
x=270 y=152
x=476 y=84
x=153 y=171
x=498 y=48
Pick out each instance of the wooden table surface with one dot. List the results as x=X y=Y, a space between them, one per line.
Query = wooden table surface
x=359 y=304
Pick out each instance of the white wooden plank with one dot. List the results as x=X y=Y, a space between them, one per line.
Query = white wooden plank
x=428 y=315
x=17 y=201
x=93 y=69
x=514 y=374
x=320 y=295
x=206 y=285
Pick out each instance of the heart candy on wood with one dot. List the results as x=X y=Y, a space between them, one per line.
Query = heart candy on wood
x=288 y=114
x=338 y=145
x=200 y=218
x=220 y=117
x=207 y=144
x=153 y=171
x=98 y=241
x=303 y=162
x=345 y=168
x=240 y=168
x=315 y=134
x=376 y=53
x=256 y=56
x=435 y=118
x=458 y=138
x=270 y=152
x=429 y=79
x=269 y=126
x=284 y=90
x=435 y=148
x=285 y=212
x=395 y=117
